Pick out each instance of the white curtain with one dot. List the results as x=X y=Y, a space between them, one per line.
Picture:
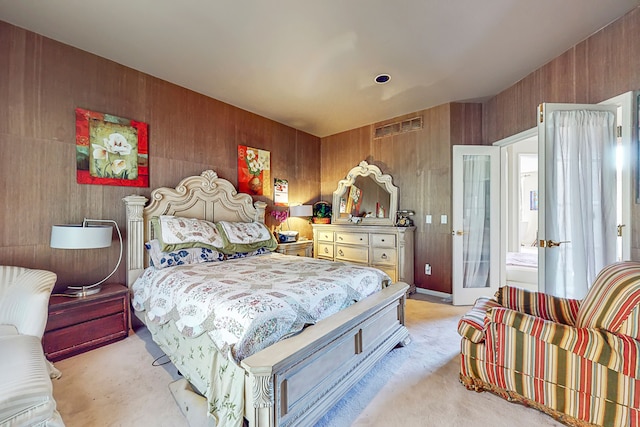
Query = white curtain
x=475 y=218
x=580 y=199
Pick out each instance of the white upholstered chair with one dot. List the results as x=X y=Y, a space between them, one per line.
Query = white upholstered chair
x=26 y=392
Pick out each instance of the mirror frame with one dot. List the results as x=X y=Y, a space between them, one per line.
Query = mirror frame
x=364 y=169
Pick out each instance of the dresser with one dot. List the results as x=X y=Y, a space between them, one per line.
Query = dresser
x=387 y=248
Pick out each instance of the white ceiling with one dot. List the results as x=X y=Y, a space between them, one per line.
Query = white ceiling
x=311 y=64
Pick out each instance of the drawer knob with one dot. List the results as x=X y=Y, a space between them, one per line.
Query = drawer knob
x=382 y=240
x=340 y=238
x=340 y=252
x=384 y=256
x=361 y=239
x=326 y=250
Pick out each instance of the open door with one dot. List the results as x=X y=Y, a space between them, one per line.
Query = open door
x=475 y=222
x=577 y=196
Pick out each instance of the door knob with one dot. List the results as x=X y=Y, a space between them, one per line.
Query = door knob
x=457 y=233
x=550 y=243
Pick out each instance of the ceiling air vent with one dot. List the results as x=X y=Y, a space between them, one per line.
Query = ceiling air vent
x=398 y=127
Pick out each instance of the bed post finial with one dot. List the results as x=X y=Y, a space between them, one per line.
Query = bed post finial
x=261 y=208
x=135 y=236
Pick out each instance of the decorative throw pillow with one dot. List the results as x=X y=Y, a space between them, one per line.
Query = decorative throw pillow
x=545 y=306
x=259 y=251
x=180 y=233
x=245 y=236
x=613 y=297
x=160 y=259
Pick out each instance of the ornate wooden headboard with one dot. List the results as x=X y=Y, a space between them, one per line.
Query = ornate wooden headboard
x=204 y=197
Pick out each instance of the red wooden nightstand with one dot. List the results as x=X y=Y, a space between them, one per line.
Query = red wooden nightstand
x=76 y=325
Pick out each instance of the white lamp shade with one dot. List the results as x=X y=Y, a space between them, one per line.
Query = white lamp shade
x=301 y=210
x=75 y=236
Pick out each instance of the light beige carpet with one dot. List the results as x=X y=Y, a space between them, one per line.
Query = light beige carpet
x=417 y=385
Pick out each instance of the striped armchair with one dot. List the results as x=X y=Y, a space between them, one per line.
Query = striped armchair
x=578 y=361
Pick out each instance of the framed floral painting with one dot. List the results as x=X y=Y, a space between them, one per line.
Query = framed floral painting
x=254 y=171
x=111 y=150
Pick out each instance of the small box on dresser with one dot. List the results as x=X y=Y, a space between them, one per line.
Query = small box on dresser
x=76 y=325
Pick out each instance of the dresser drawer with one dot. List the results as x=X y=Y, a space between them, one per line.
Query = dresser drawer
x=85 y=335
x=383 y=240
x=81 y=313
x=352 y=238
x=325 y=250
x=384 y=256
x=325 y=236
x=299 y=248
x=301 y=251
x=352 y=253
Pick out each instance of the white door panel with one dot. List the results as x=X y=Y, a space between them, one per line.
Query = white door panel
x=577 y=195
x=475 y=222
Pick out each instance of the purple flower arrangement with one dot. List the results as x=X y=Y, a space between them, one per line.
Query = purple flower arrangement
x=280 y=216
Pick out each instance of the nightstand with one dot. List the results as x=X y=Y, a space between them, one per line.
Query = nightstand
x=76 y=325
x=299 y=248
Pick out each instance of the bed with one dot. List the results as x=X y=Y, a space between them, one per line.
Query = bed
x=522 y=270
x=292 y=382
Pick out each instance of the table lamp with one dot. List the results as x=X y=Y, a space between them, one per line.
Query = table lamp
x=301 y=210
x=88 y=235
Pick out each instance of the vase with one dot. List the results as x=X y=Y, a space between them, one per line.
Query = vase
x=255 y=184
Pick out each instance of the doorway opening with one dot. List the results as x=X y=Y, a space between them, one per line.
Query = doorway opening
x=519 y=198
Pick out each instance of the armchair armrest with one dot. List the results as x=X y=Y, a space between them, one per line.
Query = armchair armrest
x=24 y=301
x=605 y=348
x=544 y=306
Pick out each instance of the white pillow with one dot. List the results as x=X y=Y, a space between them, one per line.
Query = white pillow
x=245 y=236
x=179 y=233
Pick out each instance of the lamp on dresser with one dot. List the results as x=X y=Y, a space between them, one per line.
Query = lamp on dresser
x=91 y=234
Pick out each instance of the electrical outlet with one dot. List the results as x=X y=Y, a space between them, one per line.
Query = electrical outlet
x=427 y=269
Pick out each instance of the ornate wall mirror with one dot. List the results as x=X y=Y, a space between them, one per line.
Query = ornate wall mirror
x=365 y=196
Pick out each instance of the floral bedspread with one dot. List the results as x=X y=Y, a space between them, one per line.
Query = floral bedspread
x=247 y=304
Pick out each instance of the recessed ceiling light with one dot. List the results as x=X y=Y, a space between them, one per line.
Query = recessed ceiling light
x=382 y=78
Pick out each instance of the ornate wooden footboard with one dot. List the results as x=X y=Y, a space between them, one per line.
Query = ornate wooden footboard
x=296 y=381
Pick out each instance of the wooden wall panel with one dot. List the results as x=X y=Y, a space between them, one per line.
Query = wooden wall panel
x=43 y=81
x=420 y=164
x=602 y=66
x=555 y=83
